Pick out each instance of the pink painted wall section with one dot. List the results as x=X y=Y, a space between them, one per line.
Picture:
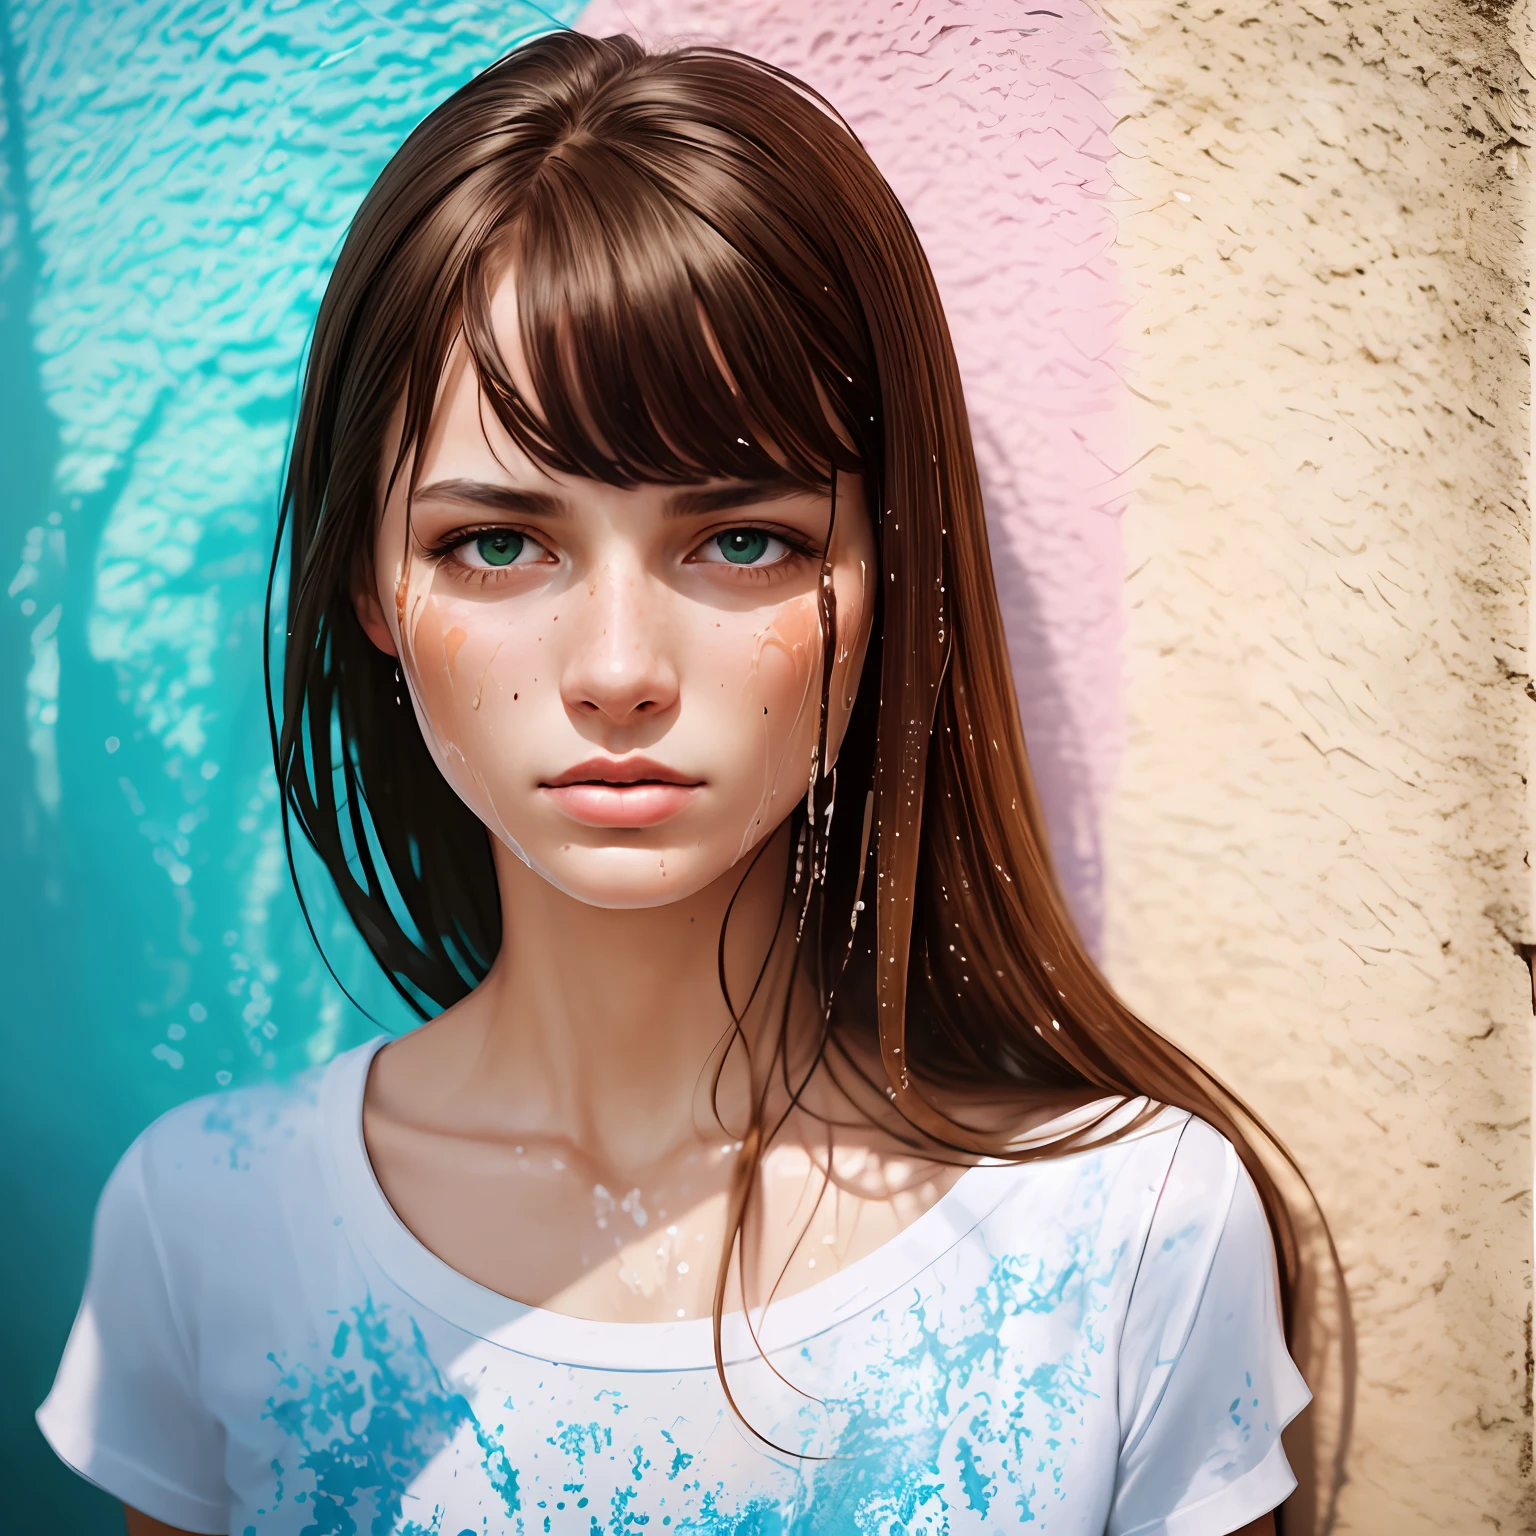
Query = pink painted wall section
x=991 y=121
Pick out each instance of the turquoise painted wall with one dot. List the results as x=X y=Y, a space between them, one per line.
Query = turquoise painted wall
x=175 y=181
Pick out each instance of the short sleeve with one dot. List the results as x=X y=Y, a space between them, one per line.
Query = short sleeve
x=1206 y=1383
x=124 y=1411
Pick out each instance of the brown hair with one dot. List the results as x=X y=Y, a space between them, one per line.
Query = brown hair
x=656 y=205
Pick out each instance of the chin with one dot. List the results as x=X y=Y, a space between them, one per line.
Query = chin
x=628 y=879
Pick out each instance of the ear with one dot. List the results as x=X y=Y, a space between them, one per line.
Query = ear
x=370 y=611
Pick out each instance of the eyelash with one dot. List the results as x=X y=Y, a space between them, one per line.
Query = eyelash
x=443 y=549
x=798 y=549
x=477 y=575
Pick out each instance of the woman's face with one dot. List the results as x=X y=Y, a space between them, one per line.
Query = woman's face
x=622 y=684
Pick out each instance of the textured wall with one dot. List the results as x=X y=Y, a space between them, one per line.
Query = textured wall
x=1315 y=853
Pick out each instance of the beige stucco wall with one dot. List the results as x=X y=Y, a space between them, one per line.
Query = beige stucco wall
x=1316 y=844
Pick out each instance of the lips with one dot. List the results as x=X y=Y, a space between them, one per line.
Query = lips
x=628 y=792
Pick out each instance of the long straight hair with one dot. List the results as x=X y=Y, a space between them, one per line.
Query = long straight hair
x=664 y=211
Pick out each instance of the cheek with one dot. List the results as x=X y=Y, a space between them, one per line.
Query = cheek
x=852 y=585
x=783 y=667
x=453 y=652
x=467 y=662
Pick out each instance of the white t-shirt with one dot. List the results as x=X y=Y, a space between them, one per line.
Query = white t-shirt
x=1086 y=1344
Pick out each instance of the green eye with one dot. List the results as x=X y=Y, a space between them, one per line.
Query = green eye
x=743 y=546
x=499 y=548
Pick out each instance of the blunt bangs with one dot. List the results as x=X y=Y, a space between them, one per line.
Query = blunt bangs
x=679 y=320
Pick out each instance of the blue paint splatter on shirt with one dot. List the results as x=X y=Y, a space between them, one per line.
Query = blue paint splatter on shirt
x=369 y=1424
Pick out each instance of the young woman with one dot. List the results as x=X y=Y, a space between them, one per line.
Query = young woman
x=778 y=1160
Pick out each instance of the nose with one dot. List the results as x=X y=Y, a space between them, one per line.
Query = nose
x=619 y=670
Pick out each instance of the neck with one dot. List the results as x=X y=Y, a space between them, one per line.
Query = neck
x=605 y=1027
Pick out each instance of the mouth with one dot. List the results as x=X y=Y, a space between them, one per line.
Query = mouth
x=627 y=792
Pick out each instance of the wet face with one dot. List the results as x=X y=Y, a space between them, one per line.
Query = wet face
x=622 y=684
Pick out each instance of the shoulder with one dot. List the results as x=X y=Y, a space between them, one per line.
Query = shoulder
x=1203 y=1173
x=1181 y=1166
x=237 y=1156
x=238 y=1132
x=1154 y=1156
x=1165 y=1183
x=1208 y=1239
x=1181 y=1176
x=1124 y=1179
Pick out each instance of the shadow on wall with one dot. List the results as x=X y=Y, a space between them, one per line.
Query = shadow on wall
x=994 y=131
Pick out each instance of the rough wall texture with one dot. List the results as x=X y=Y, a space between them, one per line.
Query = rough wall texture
x=1315 y=853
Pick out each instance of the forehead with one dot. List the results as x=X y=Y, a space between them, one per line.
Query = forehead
x=466 y=435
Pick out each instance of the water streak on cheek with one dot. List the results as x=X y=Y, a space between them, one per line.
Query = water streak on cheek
x=480 y=686
x=492 y=818
x=793 y=639
x=850 y=686
x=468 y=781
x=453 y=643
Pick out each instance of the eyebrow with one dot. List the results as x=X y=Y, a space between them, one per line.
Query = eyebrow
x=495 y=498
x=702 y=500
x=689 y=501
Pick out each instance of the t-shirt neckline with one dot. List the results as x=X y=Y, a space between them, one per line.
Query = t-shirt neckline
x=688 y=1343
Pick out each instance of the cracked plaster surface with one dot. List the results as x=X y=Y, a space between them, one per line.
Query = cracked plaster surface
x=1316 y=870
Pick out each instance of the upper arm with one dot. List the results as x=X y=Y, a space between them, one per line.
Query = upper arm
x=140 y=1524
